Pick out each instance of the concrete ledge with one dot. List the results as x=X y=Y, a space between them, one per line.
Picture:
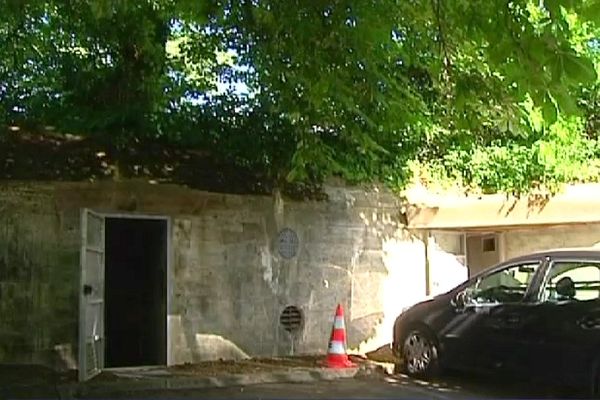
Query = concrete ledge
x=291 y=375
x=137 y=380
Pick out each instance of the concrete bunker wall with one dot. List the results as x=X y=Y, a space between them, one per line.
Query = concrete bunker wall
x=523 y=241
x=229 y=283
x=39 y=274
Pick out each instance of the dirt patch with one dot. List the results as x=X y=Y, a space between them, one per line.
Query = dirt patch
x=383 y=354
x=228 y=367
x=213 y=368
x=216 y=368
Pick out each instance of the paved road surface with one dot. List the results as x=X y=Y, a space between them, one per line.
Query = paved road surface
x=372 y=388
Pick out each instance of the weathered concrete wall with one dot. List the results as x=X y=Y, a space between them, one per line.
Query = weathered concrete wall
x=231 y=281
x=39 y=271
x=521 y=242
x=228 y=282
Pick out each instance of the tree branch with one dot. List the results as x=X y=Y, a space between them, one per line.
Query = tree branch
x=437 y=8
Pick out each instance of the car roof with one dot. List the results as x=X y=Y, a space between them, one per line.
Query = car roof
x=573 y=252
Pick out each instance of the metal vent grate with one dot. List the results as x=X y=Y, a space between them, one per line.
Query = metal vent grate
x=287 y=243
x=291 y=319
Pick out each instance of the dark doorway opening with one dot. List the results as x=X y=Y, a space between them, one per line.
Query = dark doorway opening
x=135 y=292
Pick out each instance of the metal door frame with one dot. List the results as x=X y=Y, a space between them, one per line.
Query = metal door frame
x=83 y=314
x=169 y=271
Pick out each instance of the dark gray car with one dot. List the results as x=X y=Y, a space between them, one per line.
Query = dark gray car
x=538 y=315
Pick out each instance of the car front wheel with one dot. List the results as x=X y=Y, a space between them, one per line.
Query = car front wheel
x=419 y=354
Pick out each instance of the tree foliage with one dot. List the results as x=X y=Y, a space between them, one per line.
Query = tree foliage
x=485 y=93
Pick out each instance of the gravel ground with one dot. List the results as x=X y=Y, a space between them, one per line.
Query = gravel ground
x=212 y=368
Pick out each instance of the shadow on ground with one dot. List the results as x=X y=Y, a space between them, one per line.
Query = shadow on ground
x=460 y=384
x=480 y=385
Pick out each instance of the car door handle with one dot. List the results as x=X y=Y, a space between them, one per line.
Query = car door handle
x=589 y=322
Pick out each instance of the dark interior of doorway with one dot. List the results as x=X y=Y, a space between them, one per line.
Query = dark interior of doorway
x=135 y=292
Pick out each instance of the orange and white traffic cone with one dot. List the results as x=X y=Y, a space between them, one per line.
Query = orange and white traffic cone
x=336 y=354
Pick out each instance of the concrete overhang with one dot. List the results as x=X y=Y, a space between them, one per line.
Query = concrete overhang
x=577 y=204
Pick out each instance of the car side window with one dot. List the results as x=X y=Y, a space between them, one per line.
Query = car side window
x=508 y=285
x=572 y=281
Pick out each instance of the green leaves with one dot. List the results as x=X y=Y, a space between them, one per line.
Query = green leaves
x=196 y=10
x=562 y=155
x=590 y=10
x=549 y=109
x=578 y=69
x=310 y=88
x=565 y=101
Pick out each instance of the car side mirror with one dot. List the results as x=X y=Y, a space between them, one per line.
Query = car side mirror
x=459 y=301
